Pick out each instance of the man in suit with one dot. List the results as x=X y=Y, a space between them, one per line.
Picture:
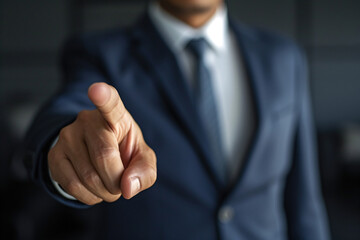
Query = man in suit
x=225 y=108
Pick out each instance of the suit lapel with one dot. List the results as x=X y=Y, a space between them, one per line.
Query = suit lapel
x=251 y=53
x=159 y=59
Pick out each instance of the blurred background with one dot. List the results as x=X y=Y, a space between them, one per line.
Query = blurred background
x=32 y=32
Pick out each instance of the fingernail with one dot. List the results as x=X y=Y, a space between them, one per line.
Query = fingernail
x=135 y=186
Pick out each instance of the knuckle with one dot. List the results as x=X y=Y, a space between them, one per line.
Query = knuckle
x=65 y=134
x=73 y=187
x=53 y=163
x=112 y=198
x=83 y=116
x=105 y=153
x=122 y=126
x=93 y=201
x=122 y=111
x=51 y=156
x=91 y=178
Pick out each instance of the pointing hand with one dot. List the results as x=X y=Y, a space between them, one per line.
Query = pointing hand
x=102 y=154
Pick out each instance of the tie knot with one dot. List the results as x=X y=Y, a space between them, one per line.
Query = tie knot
x=197 y=46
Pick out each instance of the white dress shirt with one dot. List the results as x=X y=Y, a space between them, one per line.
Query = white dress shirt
x=230 y=84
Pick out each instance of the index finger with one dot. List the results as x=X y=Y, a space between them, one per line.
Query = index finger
x=108 y=102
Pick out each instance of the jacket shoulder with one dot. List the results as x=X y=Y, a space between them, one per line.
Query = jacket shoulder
x=96 y=43
x=101 y=50
x=269 y=40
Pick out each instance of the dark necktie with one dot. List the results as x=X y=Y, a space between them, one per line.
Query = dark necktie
x=205 y=98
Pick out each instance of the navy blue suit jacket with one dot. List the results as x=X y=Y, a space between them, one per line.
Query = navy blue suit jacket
x=276 y=195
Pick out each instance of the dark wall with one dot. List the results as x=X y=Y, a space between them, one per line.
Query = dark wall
x=31 y=33
x=330 y=33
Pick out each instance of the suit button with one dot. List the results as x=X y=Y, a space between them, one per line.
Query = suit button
x=226 y=214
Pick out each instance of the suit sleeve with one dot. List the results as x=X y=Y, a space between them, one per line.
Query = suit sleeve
x=81 y=68
x=303 y=201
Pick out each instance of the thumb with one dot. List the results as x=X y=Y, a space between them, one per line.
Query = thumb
x=141 y=172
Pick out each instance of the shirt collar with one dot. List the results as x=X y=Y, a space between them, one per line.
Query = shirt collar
x=177 y=34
